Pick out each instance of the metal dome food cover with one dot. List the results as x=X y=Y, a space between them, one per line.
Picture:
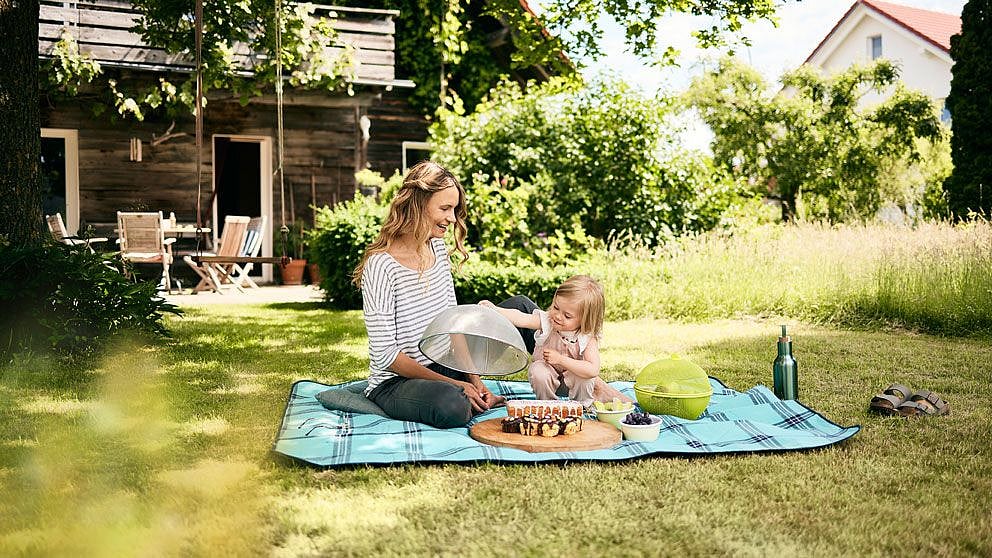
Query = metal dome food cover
x=475 y=340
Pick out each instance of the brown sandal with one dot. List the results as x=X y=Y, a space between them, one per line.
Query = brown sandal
x=888 y=402
x=924 y=403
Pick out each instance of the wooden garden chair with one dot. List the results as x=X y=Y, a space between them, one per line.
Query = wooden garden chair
x=142 y=240
x=238 y=272
x=214 y=276
x=56 y=226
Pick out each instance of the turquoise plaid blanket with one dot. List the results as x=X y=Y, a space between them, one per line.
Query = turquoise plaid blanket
x=752 y=421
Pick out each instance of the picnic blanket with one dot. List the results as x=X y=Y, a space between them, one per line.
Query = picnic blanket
x=734 y=422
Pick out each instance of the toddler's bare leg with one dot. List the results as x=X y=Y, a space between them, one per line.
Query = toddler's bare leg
x=543 y=379
x=580 y=390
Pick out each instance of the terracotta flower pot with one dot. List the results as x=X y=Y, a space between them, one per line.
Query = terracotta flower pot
x=292 y=273
x=314 y=271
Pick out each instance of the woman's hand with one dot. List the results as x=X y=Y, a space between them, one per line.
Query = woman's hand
x=487 y=304
x=552 y=357
x=475 y=396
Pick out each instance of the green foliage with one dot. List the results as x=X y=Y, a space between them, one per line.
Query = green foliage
x=575 y=25
x=479 y=280
x=341 y=236
x=68 y=69
x=817 y=150
x=440 y=45
x=71 y=301
x=599 y=157
x=969 y=188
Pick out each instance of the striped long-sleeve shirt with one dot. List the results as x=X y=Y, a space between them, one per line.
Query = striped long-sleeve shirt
x=399 y=303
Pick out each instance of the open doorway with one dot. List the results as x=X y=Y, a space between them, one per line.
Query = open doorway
x=60 y=175
x=242 y=175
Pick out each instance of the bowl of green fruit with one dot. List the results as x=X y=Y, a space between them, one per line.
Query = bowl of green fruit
x=612 y=412
x=640 y=427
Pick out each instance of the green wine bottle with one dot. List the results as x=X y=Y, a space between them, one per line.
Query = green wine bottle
x=784 y=374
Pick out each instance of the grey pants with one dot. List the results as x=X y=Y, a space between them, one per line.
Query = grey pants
x=435 y=403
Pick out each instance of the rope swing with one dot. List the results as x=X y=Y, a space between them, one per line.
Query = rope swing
x=198 y=112
x=284 y=230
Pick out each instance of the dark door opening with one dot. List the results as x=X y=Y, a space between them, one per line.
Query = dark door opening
x=53 y=177
x=238 y=180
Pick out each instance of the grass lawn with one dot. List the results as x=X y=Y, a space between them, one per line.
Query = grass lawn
x=163 y=449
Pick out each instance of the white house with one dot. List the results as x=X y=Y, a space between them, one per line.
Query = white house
x=919 y=41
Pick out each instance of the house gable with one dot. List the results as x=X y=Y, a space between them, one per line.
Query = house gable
x=924 y=63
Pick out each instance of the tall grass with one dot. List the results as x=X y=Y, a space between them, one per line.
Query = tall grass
x=936 y=277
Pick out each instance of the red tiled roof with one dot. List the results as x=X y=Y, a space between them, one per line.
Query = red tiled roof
x=934 y=27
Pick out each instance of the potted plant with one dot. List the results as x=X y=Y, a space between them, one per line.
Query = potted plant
x=295 y=247
x=313 y=269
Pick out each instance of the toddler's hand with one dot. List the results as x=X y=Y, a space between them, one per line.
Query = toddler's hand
x=552 y=357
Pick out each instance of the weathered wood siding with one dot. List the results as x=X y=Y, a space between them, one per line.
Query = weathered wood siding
x=393 y=122
x=318 y=142
x=103 y=29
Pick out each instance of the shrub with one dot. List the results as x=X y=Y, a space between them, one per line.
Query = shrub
x=478 y=280
x=341 y=236
x=601 y=154
x=71 y=301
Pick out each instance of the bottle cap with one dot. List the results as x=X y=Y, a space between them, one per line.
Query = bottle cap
x=785 y=334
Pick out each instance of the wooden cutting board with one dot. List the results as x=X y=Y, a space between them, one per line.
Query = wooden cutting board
x=594 y=435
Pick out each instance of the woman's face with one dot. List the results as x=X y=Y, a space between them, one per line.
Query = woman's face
x=441 y=211
x=565 y=314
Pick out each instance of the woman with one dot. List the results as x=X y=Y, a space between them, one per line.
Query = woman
x=405 y=277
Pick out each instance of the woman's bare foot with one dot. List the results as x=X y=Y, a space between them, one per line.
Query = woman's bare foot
x=605 y=392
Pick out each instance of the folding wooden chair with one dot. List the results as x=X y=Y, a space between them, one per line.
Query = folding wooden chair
x=56 y=226
x=143 y=240
x=214 y=276
x=238 y=272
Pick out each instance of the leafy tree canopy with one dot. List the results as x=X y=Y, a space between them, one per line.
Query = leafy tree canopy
x=815 y=143
x=969 y=188
x=572 y=26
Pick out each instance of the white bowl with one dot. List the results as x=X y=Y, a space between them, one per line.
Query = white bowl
x=642 y=432
x=613 y=417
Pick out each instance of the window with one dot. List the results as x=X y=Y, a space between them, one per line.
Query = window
x=414 y=152
x=945 y=113
x=875 y=46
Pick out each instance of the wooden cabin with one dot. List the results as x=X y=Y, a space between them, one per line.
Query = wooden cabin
x=95 y=166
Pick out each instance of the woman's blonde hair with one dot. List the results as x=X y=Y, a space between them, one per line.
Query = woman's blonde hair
x=408 y=214
x=589 y=294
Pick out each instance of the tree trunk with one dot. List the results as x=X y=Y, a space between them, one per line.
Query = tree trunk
x=20 y=124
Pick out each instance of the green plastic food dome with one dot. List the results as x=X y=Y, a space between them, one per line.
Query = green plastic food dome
x=673 y=386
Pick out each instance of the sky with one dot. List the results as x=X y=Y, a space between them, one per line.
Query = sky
x=801 y=27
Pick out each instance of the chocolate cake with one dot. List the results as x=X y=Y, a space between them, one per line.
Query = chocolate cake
x=547 y=426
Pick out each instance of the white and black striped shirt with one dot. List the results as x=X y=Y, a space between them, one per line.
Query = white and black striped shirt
x=399 y=303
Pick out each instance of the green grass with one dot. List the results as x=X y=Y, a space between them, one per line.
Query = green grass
x=935 y=278
x=164 y=450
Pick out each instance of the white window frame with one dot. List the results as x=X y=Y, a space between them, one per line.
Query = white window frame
x=418 y=145
x=71 y=138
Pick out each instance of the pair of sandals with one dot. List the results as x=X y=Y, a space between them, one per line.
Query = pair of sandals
x=899 y=400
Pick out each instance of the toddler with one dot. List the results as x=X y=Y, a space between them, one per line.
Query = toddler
x=566 y=340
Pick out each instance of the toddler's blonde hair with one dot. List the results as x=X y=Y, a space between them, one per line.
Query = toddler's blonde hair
x=589 y=294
